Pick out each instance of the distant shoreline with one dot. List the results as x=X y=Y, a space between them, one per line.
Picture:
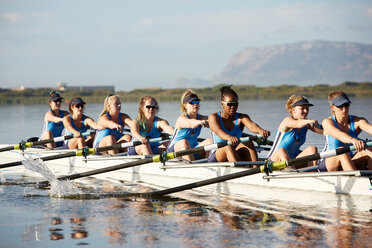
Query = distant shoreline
x=245 y=92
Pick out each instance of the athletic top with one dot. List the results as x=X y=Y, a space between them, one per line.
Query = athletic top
x=55 y=128
x=291 y=141
x=153 y=133
x=333 y=143
x=101 y=133
x=83 y=128
x=190 y=134
x=235 y=132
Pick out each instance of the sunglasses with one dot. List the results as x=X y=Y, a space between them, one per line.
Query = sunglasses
x=194 y=102
x=58 y=101
x=79 y=105
x=151 y=107
x=345 y=105
x=231 y=104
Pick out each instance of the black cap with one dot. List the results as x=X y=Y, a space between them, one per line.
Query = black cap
x=191 y=98
x=302 y=102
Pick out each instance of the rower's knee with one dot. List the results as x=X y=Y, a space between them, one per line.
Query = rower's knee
x=313 y=149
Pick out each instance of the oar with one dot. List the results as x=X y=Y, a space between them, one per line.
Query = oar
x=23 y=145
x=88 y=151
x=263 y=168
x=156 y=158
x=260 y=140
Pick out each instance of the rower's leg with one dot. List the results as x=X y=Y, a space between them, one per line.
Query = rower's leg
x=343 y=160
x=227 y=153
x=48 y=135
x=247 y=151
x=76 y=143
x=183 y=145
x=144 y=149
x=108 y=140
x=310 y=150
x=363 y=160
x=280 y=155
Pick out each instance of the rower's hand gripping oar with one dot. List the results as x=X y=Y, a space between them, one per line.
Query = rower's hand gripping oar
x=157 y=158
x=23 y=144
x=262 y=169
x=86 y=151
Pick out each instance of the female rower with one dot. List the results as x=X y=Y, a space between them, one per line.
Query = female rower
x=342 y=129
x=112 y=123
x=291 y=133
x=77 y=123
x=188 y=126
x=53 y=120
x=149 y=126
x=228 y=125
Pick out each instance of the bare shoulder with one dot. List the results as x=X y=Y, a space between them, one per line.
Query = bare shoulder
x=125 y=116
x=359 y=118
x=243 y=116
x=212 y=116
x=327 y=121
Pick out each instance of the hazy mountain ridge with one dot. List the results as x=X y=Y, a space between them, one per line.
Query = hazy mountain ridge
x=301 y=63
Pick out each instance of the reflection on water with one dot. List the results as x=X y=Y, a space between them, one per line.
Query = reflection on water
x=142 y=222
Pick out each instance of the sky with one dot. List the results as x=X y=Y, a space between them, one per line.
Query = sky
x=159 y=43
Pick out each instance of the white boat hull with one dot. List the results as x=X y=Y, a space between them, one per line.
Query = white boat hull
x=294 y=188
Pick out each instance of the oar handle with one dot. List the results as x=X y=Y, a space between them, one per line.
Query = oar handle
x=23 y=145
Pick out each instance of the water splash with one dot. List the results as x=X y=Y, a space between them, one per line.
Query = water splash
x=58 y=188
x=2 y=178
x=63 y=189
x=38 y=166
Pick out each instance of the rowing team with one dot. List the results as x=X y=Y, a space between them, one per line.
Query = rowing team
x=340 y=129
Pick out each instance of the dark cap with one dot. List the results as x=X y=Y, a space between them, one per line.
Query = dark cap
x=340 y=100
x=302 y=102
x=191 y=98
x=77 y=101
x=54 y=97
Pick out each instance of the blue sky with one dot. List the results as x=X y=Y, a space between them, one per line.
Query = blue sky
x=162 y=43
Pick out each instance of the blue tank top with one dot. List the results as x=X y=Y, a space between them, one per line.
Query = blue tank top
x=153 y=133
x=55 y=128
x=235 y=132
x=101 y=133
x=83 y=128
x=291 y=141
x=190 y=134
x=333 y=143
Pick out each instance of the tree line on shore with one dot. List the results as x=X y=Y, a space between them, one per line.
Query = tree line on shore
x=246 y=92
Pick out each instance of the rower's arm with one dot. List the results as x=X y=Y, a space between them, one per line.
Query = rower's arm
x=214 y=125
x=254 y=127
x=164 y=125
x=363 y=124
x=330 y=129
x=135 y=130
x=67 y=123
x=91 y=123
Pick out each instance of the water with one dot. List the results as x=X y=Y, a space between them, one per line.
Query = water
x=29 y=217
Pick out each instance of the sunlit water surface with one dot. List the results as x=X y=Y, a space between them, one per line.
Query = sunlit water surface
x=99 y=214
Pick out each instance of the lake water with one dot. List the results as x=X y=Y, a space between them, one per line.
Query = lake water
x=30 y=218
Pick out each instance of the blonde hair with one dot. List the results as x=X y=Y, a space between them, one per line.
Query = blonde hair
x=185 y=94
x=107 y=102
x=292 y=100
x=141 y=116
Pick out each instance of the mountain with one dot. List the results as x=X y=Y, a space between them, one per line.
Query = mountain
x=301 y=63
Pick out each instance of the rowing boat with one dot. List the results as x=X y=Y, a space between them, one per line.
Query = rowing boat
x=175 y=172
